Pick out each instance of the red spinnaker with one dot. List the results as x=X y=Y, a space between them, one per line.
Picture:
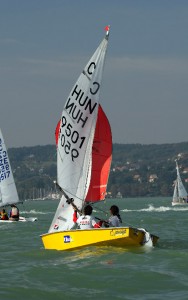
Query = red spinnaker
x=101 y=159
x=57 y=132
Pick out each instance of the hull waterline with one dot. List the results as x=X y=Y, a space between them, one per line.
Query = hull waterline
x=179 y=203
x=21 y=219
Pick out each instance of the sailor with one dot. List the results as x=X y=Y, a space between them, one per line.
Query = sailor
x=4 y=215
x=14 y=213
x=115 y=219
x=86 y=221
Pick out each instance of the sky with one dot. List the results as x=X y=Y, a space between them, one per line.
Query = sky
x=44 y=45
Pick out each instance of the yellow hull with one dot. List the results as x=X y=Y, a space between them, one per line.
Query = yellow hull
x=72 y=239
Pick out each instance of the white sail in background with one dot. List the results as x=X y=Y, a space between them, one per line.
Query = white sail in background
x=175 y=195
x=8 y=191
x=76 y=133
x=181 y=189
x=180 y=193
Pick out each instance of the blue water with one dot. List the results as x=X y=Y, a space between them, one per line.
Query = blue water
x=30 y=272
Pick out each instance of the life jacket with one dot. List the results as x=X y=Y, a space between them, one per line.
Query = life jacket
x=4 y=216
x=114 y=221
x=14 y=212
x=86 y=222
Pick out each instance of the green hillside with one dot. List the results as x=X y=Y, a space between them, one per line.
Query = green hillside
x=137 y=170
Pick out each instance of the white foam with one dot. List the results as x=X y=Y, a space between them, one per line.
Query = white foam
x=152 y=208
x=33 y=211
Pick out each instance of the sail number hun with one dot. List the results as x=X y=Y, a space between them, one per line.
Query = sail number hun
x=70 y=138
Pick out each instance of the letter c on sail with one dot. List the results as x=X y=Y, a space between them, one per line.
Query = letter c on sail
x=92 y=66
x=93 y=92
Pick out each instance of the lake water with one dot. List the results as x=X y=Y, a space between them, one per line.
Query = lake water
x=30 y=272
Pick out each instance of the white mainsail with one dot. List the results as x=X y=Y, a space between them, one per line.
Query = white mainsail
x=77 y=128
x=180 y=193
x=175 y=194
x=8 y=191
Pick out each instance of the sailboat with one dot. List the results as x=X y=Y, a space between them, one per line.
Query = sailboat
x=180 y=196
x=84 y=154
x=8 y=190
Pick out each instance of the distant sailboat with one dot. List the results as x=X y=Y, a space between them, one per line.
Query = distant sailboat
x=8 y=191
x=180 y=196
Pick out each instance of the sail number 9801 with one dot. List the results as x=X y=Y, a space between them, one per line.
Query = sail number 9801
x=70 y=138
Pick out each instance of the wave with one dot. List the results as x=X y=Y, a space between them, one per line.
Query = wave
x=151 y=208
x=34 y=212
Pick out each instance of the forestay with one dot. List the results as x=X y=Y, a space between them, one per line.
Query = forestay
x=75 y=140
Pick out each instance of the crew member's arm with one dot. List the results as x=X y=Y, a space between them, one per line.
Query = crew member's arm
x=98 y=225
